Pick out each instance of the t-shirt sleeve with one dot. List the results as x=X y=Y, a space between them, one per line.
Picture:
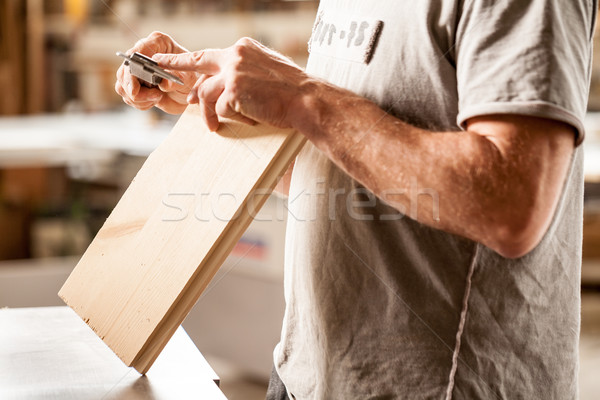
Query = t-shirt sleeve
x=525 y=57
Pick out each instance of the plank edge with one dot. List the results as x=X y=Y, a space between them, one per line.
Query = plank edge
x=215 y=258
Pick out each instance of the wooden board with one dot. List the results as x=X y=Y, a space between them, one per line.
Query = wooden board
x=172 y=229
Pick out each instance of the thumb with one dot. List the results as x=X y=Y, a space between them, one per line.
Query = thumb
x=203 y=61
x=188 y=78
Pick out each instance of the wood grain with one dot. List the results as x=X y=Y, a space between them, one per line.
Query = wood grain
x=172 y=229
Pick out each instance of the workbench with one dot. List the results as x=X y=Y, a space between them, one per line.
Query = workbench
x=50 y=353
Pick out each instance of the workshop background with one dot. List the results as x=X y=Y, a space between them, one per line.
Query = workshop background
x=69 y=147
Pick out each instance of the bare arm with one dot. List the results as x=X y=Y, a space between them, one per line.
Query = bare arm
x=498 y=182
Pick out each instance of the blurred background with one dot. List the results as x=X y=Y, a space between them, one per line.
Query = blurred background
x=69 y=147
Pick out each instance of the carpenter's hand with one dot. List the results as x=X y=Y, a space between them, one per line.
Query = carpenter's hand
x=247 y=82
x=169 y=96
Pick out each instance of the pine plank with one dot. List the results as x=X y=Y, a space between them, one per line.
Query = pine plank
x=148 y=265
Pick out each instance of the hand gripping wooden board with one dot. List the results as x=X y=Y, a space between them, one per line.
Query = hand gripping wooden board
x=172 y=229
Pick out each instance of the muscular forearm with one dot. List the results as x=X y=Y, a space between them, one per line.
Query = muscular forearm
x=477 y=183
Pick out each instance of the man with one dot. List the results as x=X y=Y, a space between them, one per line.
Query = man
x=460 y=279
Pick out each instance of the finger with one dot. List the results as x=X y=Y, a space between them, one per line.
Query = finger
x=209 y=89
x=156 y=42
x=142 y=98
x=145 y=94
x=131 y=87
x=225 y=109
x=139 y=105
x=119 y=88
x=243 y=119
x=176 y=91
x=130 y=83
x=151 y=98
x=207 y=93
x=192 y=96
x=121 y=91
x=144 y=106
x=119 y=84
x=148 y=46
x=168 y=105
x=211 y=119
x=179 y=97
x=203 y=61
x=169 y=86
x=120 y=73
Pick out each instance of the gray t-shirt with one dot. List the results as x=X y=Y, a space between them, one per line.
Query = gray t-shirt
x=381 y=306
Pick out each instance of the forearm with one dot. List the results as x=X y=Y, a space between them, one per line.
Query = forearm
x=461 y=182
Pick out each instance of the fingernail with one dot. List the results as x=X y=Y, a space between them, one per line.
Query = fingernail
x=129 y=87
